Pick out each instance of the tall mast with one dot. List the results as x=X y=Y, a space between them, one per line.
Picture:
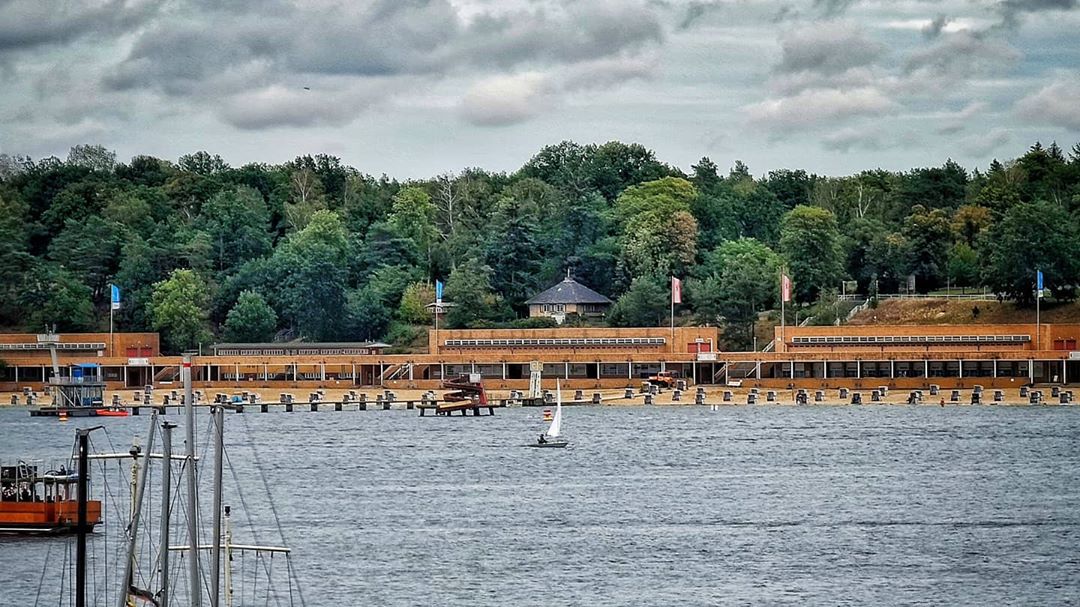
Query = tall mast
x=80 y=547
x=166 y=503
x=192 y=502
x=215 y=545
x=133 y=526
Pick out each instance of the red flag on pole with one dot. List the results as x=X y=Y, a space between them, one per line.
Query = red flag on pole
x=676 y=290
x=785 y=287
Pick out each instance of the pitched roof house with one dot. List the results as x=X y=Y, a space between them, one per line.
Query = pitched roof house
x=568 y=297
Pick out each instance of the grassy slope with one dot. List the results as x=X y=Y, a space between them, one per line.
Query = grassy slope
x=959 y=312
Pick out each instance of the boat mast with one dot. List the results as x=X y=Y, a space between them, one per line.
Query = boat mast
x=228 y=560
x=133 y=526
x=166 y=497
x=192 y=502
x=215 y=545
x=80 y=546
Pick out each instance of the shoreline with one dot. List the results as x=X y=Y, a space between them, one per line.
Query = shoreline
x=713 y=396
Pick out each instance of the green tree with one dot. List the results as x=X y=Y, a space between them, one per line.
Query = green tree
x=475 y=301
x=929 y=234
x=414 y=301
x=238 y=225
x=250 y=320
x=15 y=258
x=810 y=243
x=737 y=281
x=90 y=249
x=367 y=317
x=54 y=296
x=963 y=266
x=93 y=157
x=513 y=253
x=412 y=216
x=645 y=304
x=179 y=310
x=1029 y=238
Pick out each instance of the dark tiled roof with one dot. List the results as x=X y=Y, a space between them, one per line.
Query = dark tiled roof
x=569 y=291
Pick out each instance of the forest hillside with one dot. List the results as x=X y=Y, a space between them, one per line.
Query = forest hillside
x=314 y=249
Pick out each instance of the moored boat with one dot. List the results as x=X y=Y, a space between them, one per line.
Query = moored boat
x=32 y=501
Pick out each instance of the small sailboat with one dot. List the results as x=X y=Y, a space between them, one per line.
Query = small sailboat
x=550 y=439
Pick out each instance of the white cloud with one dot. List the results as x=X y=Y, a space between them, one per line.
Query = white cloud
x=277 y=106
x=815 y=107
x=1055 y=104
x=506 y=100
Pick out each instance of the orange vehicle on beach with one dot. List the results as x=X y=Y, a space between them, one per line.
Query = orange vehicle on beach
x=32 y=501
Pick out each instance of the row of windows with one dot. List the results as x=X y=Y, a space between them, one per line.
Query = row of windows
x=294 y=352
x=556 y=342
x=910 y=339
x=58 y=346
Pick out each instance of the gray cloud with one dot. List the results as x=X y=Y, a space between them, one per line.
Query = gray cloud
x=846 y=140
x=833 y=8
x=248 y=50
x=1012 y=10
x=34 y=23
x=983 y=145
x=1054 y=104
x=827 y=49
x=933 y=30
x=963 y=55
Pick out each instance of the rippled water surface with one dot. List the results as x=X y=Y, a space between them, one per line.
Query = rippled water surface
x=649 y=506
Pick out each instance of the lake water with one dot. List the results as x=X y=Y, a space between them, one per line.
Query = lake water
x=882 y=505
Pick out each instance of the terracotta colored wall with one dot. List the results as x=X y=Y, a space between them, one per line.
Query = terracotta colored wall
x=1042 y=337
x=683 y=337
x=117 y=346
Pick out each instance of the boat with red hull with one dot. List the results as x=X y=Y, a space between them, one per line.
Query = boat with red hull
x=32 y=501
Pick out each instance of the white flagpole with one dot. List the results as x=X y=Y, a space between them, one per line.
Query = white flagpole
x=112 y=307
x=783 y=320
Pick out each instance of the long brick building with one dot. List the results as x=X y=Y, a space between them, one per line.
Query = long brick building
x=855 y=356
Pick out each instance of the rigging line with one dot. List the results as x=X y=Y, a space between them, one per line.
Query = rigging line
x=269 y=498
x=269 y=581
x=243 y=503
x=63 y=576
x=44 y=568
x=270 y=584
x=289 y=574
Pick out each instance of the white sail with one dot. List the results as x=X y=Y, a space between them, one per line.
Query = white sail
x=556 y=422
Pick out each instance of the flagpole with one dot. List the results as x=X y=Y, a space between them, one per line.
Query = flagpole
x=112 y=308
x=783 y=320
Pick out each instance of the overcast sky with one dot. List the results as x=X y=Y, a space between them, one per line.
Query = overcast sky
x=414 y=88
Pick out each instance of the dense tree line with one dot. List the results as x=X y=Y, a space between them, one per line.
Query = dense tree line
x=316 y=249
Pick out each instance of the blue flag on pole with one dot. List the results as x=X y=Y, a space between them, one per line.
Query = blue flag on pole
x=115 y=297
x=438 y=292
x=1039 y=282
